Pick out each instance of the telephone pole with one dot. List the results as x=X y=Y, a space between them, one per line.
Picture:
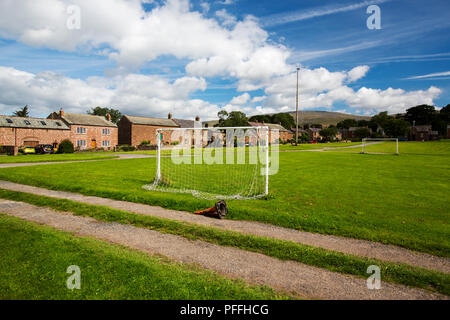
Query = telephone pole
x=296 y=112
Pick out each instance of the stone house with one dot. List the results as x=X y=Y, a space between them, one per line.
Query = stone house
x=422 y=133
x=17 y=132
x=133 y=130
x=88 y=131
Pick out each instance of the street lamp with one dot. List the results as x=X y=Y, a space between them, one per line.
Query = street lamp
x=296 y=112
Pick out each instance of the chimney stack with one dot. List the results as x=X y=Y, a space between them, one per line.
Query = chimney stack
x=108 y=117
x=61 y=112
x=169 y=116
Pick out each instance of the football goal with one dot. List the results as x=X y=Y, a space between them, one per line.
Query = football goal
x=380 y=145
x=213 y=163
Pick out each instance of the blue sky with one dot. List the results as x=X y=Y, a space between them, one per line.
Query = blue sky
x=200 y=57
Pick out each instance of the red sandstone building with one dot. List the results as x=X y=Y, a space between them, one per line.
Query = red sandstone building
x=134 y=130
x=88 y=131
x=16 y=132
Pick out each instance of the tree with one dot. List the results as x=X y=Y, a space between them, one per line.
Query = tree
x=261 y=118
x=423 y=114
x=396 y=128
x=22 y=112
x=363 y=123
x=347 y=123
x=232 y=119
x=444 y=114
x=362 y=133
x=285 y=119
x=328 y=133
x=66 y=146
x=99 y=111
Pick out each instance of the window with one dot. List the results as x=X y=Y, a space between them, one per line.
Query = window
x=9 y=120
x=81 y=143
x=81 y=130
x=106 y=132
x=43 y=123
x=27 y=122
x=106 y=143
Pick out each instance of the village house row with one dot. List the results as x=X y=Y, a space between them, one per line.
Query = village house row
x=90 y=131
x=98 y=132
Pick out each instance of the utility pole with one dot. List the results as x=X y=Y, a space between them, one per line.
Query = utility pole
x=296 y=112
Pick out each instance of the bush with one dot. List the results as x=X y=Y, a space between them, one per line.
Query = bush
x=145 y=142
x=66 y=146
x=127 y=148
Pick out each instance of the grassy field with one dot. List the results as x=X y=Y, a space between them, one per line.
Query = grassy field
x=282 y=147
x=284 y=250
x=53 y=157
x=401 y=200
x=439 y=148
x=41 y=255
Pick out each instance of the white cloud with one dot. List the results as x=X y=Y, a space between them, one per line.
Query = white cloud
x=226 y=2
x=431 y=75
x=130 y=36
x=259 y=99
x=282 y=18
x=357 y=73
x=242 y=99
x=205 y=7
x=226 y=18
x=133 y=94
x=320 y=88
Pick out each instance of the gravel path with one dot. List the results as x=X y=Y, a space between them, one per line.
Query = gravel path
x=119 y=157
x=302 y=280
x=357 y=247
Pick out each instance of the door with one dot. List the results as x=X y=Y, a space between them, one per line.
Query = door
x=93 y=144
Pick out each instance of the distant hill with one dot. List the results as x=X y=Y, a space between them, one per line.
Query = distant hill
x=324 y=117
x=314 y=117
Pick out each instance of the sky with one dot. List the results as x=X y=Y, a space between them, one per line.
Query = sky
x=189 y=58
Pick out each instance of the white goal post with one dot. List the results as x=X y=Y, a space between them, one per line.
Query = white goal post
x=213 y=163
x=366 y=142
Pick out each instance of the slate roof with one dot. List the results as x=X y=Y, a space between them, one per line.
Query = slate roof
x=272 y=126
x=163 y=122
x=34 y=123
x=87 y=120
x=185 y=123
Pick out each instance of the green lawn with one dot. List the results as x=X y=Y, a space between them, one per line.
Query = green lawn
x=34 y=260
x=53 y=157
x=401 y=200
x=318 y=146
x=439 y=148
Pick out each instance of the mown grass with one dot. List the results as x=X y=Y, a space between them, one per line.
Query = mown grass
x=281 y=147
x=285 y=250
x=34 y=260
x=53 y=157
x=438 y=148
x=401 y=200
x=318 y=146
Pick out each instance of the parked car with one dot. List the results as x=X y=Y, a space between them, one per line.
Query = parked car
x=27 y=150
x=44 y=148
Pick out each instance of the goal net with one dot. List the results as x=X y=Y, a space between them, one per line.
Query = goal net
x=380 y=145
x=212 y=163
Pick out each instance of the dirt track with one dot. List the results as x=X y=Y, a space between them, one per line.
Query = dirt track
x=302 y=280
x=345 y=245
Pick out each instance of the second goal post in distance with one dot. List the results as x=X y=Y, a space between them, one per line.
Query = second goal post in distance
x=212 y=163
x=380 y=145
